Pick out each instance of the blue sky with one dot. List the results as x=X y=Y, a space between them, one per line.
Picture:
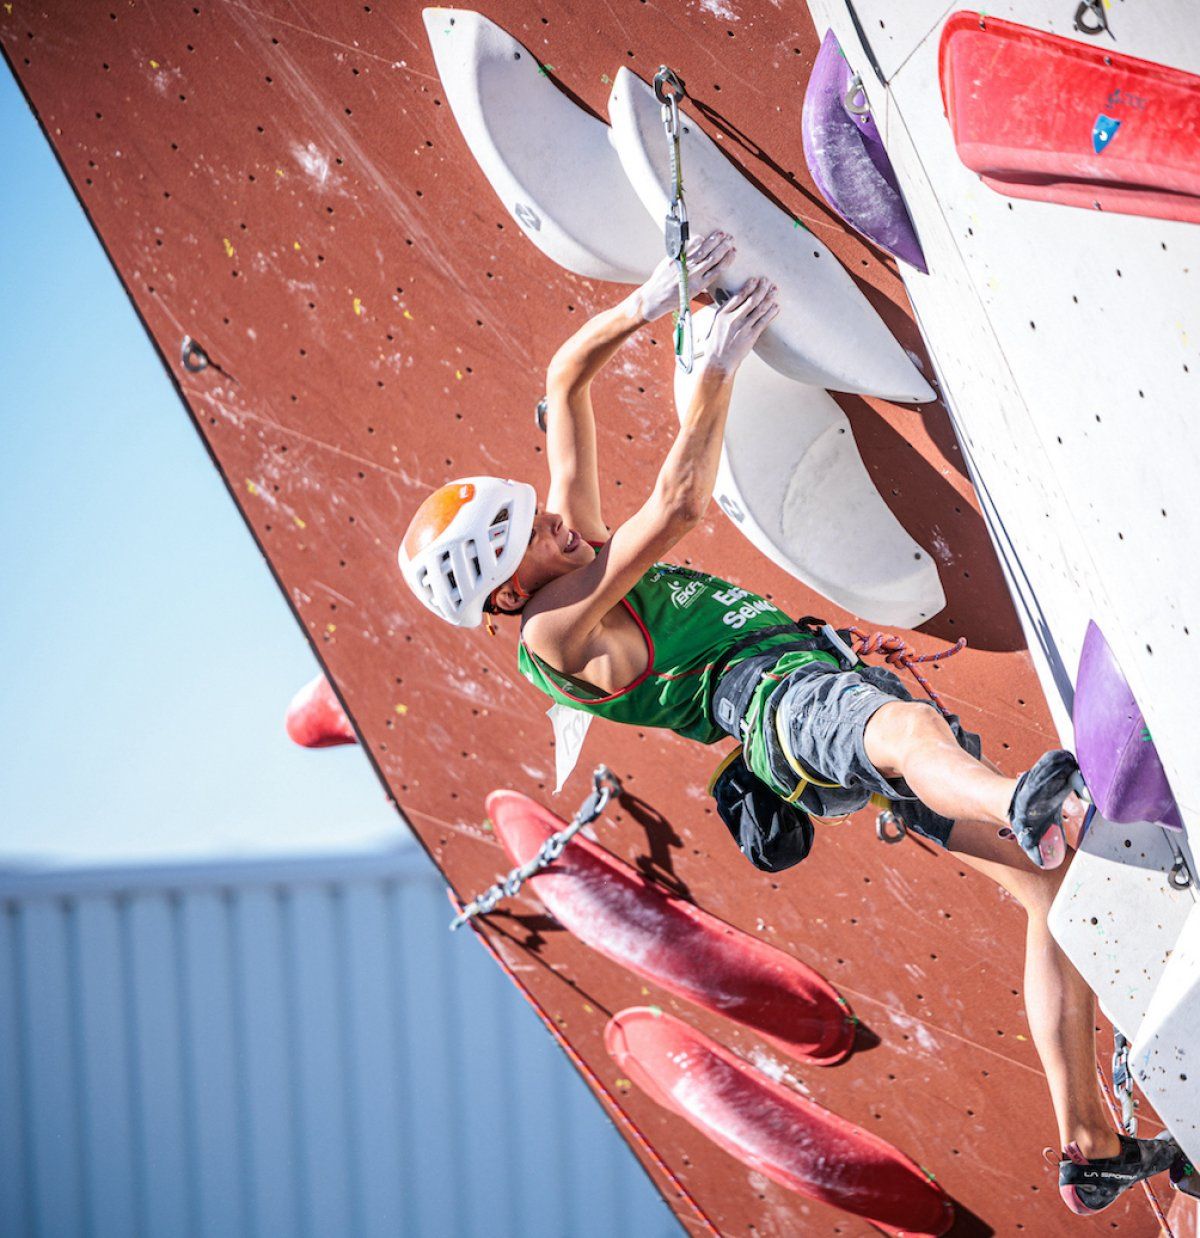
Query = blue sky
x=148 y=656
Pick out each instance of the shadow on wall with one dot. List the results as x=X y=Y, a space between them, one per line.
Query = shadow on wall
x=978 y=605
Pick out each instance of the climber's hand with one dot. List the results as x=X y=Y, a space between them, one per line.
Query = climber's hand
x=737 y=325
x=708 y=259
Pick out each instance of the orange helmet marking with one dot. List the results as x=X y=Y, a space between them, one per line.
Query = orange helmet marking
x=435 y=516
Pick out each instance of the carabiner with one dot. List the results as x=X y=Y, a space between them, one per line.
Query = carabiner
x=883 y=821
x=669 y=89
x=853 y=91
x=1099 y=19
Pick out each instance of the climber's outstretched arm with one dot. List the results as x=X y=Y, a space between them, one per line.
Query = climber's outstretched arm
x=570 y=420
x=563 y=620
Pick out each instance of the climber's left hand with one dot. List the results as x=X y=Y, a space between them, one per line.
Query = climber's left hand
x=708 y=259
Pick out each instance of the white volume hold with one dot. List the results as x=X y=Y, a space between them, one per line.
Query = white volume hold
x=793 y=483
x=551 y=163
x=827 y=333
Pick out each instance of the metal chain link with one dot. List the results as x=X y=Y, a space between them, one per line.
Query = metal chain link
x=605 y=784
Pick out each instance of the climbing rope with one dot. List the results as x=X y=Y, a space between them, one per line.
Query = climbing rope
x=669 y=91
x=605 y=785
x=1159 y=1214
x=897 y=652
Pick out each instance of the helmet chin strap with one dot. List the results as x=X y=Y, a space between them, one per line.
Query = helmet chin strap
x=519 y=590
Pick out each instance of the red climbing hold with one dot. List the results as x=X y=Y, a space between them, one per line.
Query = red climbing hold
x=316 y=719
x=773 y=1129
x=669 y=941
x=1041 y=116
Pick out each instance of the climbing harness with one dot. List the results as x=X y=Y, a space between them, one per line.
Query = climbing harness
x=605 y=784
x=669 y=91
x=736 y=685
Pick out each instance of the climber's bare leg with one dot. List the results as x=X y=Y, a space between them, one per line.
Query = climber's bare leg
x=909 y=740
x=1058 y=1003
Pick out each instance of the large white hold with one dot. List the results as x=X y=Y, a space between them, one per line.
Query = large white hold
x=827 y=333
x=792 y=481
x=552 y=165
x=1118 y=916
x=1165 y=1055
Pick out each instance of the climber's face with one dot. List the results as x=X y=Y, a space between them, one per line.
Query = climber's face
x=554 y=549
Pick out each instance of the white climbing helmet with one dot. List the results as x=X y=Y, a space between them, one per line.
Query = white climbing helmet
x=466 y=539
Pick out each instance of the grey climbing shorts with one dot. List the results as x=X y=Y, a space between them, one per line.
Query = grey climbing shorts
x=825 y=711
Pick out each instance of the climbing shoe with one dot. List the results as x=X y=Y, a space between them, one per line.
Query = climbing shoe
x=1087 y=1186
x=1035 y=812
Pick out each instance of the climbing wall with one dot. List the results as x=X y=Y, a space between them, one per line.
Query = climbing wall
x=351 y=317
x=1067 y=344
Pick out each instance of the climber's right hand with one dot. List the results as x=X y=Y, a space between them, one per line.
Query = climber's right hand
x=737 y=325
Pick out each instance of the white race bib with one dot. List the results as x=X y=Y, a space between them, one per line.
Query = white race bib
x=570 y=729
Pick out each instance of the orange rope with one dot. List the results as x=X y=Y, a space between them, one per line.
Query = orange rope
x=897 y=652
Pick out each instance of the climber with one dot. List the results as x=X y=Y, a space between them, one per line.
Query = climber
x=607 y=627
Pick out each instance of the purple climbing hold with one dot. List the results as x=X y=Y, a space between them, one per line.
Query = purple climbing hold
x=848 y=161
x=1116 y=753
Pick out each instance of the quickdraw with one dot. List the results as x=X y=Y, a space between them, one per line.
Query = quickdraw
x=605 y=784
x=669 y=91
x=1122 y=1081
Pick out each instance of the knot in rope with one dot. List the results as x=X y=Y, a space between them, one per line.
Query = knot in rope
x=897 y=652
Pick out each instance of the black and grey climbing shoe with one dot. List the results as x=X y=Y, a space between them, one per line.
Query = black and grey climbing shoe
x=1087 y=1186
x=1036 y=808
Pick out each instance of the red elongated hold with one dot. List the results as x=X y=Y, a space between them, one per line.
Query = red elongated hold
x=1043 y=116
x=316 y=719
x=665 y=939
x=770 y=1128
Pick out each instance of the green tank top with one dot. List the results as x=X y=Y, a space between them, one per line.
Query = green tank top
x=688 y=619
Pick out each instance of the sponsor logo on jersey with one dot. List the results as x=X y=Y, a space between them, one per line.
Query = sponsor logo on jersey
x=685 y=595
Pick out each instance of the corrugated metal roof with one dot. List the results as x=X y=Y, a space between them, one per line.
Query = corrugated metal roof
x=277 y=1049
